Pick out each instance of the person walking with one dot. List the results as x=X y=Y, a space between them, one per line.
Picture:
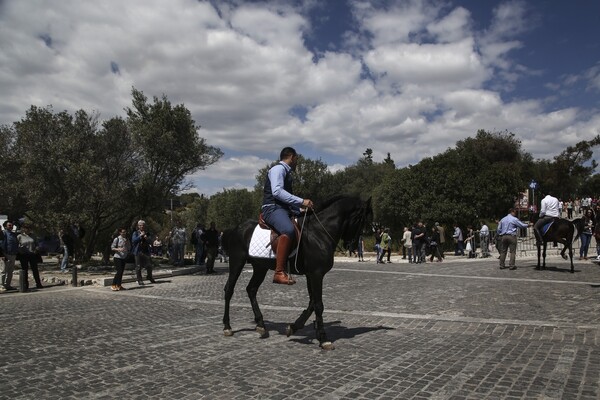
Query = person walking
x=470 y=242
x=586 y=235
x=210 y=238
x=386 y=246
x=198 y=245
x=378 y=234
x=458 y=241
x=508 y=229
x=29 y=256
x=434 y=245
x=121 y=246
x=407 y=243
x=361 y=248
x=442 y=232
x=140 y=247
x=10 y=248
x=484 y=240
x=418 y=242
x=66 y=241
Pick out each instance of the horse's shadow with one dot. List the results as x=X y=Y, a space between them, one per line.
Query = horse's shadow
x=556 y=269
x=335 y=331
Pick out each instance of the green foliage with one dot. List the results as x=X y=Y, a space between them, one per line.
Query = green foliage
x=168 y=148
x=566 y=176
x=65 y=168
x=232 y=207
x=480 y=177
x=311 y=179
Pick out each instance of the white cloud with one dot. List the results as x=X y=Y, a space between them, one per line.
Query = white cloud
x=243 y=67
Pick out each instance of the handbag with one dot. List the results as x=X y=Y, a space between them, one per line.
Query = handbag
x=469 y=248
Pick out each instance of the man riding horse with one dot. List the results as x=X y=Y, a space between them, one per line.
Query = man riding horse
x=549 y=210
x=278 y=204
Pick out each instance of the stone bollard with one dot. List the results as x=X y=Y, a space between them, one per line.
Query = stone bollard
x=22 y=280
x=74 y=280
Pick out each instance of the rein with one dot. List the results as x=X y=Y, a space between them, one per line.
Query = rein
x=338 y=247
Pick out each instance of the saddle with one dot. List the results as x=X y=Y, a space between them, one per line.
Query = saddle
x=546 y=227
x=275 y=235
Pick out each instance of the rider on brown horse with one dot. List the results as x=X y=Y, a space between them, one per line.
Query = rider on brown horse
x=278 y=204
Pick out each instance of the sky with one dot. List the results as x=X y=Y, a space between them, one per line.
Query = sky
x=330 y=78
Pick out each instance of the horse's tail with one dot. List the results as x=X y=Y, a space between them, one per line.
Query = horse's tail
x=225 y=239
x=579 y=226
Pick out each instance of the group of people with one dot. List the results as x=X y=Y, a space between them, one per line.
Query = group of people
x=417 y=243
x=24 y=247
x=140 y=243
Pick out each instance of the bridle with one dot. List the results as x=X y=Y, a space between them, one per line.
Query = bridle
x=362 y=221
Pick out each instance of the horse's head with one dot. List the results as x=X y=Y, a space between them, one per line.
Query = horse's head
x=352 y=213
x=359 y=218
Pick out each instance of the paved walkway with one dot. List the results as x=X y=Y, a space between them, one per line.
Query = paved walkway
x=461 y=329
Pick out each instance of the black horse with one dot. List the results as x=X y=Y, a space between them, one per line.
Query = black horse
x=561 y=231
x=341 y=218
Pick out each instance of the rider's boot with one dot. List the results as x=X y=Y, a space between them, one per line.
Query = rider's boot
x=284 y=245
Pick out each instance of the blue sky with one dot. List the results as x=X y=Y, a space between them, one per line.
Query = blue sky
x=331 y=78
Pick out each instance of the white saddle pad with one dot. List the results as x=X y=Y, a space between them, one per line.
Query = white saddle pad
x=260 y=244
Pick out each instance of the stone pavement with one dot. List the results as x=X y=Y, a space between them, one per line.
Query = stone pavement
x=461 y=329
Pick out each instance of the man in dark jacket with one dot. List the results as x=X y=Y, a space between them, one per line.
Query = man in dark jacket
x=210 y=238
x=10 y=247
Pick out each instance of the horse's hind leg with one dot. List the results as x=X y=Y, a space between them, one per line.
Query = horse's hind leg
x=258 y=276
x=301 y=321
x=235 y=269
x=544 y=255
x=571 y=258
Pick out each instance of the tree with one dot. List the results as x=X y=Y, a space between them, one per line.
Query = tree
x=566 y=176
x=66 y=169
x=480 y=177
x=232 y=207
x=168 y=148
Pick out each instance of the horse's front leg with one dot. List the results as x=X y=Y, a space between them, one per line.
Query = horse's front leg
x=539 y=256
x=235 y=269
x=317 y=298
x=544 y=256
x=258 y=276
x=301 y=321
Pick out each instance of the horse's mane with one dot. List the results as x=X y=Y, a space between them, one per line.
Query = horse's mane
x=334 y=199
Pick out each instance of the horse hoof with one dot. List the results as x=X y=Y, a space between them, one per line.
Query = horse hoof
x=565 y=257
x=327 y=346
x=227 y=332
x=262 y=331
x=289 y=331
